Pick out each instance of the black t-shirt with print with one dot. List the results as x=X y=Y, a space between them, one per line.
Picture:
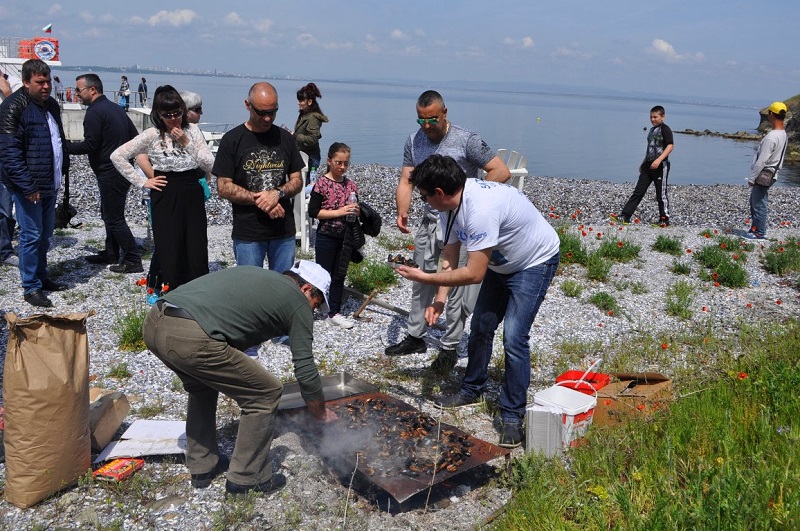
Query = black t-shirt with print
x=259 y=162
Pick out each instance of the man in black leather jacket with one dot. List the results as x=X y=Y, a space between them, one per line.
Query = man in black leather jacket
x=33 y=160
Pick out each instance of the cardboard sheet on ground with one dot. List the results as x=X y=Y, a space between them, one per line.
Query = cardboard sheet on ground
x=148 y=437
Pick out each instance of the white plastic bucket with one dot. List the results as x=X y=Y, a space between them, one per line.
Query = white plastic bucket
x=576 y=409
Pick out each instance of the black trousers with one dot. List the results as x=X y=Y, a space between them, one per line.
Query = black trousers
x=180 y=229
x=120 y=242
x=658 y=177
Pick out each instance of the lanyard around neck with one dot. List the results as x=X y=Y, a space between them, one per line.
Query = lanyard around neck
x=451 y=218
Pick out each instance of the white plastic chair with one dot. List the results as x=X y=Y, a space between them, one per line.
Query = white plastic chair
x=516 y=164
x=302 y=223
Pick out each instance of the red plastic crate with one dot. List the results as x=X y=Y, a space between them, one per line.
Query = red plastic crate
x=593 y=382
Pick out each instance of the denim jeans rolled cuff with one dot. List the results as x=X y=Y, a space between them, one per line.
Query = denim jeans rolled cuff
x=513 y=299
x=279 y=253
x=36 y=223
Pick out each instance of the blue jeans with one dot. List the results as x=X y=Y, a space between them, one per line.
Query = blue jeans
x=7 y=223
x=279 y=253
x=758 y=210
x=36 y=222
x=514 y=299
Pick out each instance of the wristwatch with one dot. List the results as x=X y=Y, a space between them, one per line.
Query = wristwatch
x=281 y=194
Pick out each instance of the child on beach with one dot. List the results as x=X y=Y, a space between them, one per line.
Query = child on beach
x=329 y=204
x=653 y=169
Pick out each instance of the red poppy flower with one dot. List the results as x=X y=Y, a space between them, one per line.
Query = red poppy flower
x=612 y=223
x=735 y=256
x=600 y=325
x=574 y=216
x=637 y=220
x=620 y=245
x=707 y=235
x=688 y=251
x=748 y=305
x=723 y=245
x=150 y=291
x=715 y=275
x=411 y=247
x=742 y=375
x=578 y=211
x=569 y=255
x=590 y=229
x=141 y=282
x=780 y=249
x=716 y=231
x=664 y=346
x=607 y=401
x=705 y=309
x=583 y=233
x=552 y=207
x=599 y=235
x=716 y=284
x=778 y=302
x=621 y=228
x=640 y=407
x=551 y=215
x=611 y=313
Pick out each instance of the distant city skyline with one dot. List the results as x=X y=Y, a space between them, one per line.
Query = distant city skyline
x=735 y=51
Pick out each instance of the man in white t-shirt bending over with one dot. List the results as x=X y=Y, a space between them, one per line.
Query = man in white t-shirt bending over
x=436 y=134
x=513 y=250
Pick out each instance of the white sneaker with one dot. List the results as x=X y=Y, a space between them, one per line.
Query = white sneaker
x=342 y=321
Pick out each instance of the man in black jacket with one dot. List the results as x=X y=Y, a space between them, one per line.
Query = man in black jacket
x=33 y=163
x=106 y=126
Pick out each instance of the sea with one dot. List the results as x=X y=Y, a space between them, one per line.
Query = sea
x=562 y=135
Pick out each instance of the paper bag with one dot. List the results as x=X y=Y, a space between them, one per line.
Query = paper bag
x=46 y=397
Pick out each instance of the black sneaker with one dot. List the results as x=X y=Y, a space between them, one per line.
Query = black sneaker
x=456 y=400
x=201 y=481
x=276 y=482
x=102 y=258
x=49 y=285
x=38 y=298
x=510 y=435
x=445 y=361
x=409 y=345
x=126 y=267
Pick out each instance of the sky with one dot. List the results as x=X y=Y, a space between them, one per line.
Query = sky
x=734 y=50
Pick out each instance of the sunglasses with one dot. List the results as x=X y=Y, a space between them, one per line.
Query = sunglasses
x=198 y=110
x=171 y=115
x=429 y=121
x=265 y=112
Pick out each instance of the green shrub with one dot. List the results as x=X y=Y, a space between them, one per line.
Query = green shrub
x=669 y=245
x=679 y=299
x=370 y=275
x=605 y=302
x=119 y=371
x=711 y=256
x=618 y=250
x=597 y=267
x=571 y=288
x=572 y=250
x=782 y=257
x=128 y=328
x=730 y=274
x=680 y=268
x=639 y=288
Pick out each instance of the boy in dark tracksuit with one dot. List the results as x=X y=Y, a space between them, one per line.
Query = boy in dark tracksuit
x=654 y=168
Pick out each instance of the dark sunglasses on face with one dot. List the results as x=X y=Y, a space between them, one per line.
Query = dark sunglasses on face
x=429 y=121
x=171 y=115
x=264 y=112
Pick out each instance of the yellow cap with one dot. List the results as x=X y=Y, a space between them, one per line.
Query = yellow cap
x=777 y=107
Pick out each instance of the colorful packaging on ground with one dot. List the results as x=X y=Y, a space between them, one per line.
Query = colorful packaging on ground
x=118 y=469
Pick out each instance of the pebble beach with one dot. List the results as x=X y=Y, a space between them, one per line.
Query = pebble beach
x=315 y=497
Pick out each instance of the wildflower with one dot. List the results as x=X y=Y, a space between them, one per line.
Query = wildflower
x=778 y=302
x=716 y=231
x=783 y=429
x=590 y=229
x=720 y=460
x=611 y=313
x=640 y=407
x=149 y=291
x=742 y=376
x=583 y=233
x=705 y=309
x=574 y=216
x=637 y=220
x=164 y=288
x=411 y=247
x=636 y=476
x=664 y=346
x=141 y=282
x=569 y=254
x=747 y=221
x=780 y=249
x=621 y=228
x=715 y=275
x=552 y=207
x=620 y=245
x=551 y=215
x=600 y=325
x=599 y=235
x=707 y=235
x=578 y=211
x=723 y=245
x=748 y=305
x=663 y=225
x=607 y=401
x=735 y=256
x=612 y=223
x=716 y=284
x=688 y=251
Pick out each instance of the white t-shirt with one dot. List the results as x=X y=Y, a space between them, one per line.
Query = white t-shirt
x=499 y=217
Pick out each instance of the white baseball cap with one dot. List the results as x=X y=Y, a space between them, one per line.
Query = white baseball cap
x=315 y=274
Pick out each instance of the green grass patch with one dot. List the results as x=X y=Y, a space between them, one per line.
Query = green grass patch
x=724 y=269
x=598 y=267
x=679 y=299
x=605 y=302
x=618 y=250
x=571 y=288
x=782 y=258
x=639 y=288
x=128 y=328
x=680 y=268
x=572 y=250
x=120 y=371
x=722 y=457
x=668 y=244
x=371 y=274
x=395 y=242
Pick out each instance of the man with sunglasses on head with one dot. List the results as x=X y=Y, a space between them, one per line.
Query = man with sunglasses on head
x=258 y=170
x=106 y=127
x=436 y=135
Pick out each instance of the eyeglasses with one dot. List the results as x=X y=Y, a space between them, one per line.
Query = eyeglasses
x=78 y=90
x=341 y=163
x=198 y=110
x=265 y=112
x=429 y=121
x=171 y=115
x=425 y=196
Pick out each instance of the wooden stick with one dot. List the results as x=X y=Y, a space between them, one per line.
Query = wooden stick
x=357 y=313
x=383 y=304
